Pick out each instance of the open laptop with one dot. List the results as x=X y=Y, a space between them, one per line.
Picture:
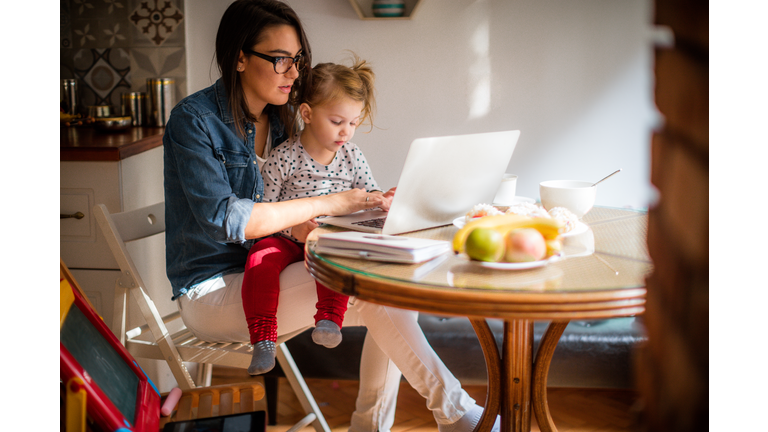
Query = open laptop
x=443 y=177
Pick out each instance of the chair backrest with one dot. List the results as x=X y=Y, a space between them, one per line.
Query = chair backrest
x=120 y=228
x=140 y=223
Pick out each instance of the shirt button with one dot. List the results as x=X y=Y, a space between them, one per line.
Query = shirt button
x=255 y=163
x=258 y=196
x=250 y=131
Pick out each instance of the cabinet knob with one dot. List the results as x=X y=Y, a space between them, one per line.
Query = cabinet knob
x=78 y=215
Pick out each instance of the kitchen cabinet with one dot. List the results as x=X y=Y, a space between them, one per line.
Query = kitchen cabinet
x=123 y=171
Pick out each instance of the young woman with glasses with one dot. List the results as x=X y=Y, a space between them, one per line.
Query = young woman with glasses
x=214 y=142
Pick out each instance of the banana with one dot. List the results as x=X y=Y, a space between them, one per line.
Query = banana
x=549 y=228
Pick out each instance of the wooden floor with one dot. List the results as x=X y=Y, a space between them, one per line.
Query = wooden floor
x=573 y=410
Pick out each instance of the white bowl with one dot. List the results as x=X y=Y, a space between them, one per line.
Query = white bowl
x=576 y=196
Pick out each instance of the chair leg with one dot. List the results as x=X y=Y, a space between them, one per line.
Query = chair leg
x=296 y=380
x=270 y=387
x=204 y=374
x=208 y=375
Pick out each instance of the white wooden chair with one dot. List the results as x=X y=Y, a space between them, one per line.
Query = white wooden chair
x=181 y=346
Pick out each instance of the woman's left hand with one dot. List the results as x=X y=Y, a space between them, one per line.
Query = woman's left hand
x=302 y=230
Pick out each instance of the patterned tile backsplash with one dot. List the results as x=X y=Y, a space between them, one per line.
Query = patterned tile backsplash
x=114 y=46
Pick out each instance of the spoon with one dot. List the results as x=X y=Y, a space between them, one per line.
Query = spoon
x=606 y=177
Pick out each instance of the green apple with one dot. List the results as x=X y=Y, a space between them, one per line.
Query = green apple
x=485 y=244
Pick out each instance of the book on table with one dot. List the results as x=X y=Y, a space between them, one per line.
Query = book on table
x=378 y=247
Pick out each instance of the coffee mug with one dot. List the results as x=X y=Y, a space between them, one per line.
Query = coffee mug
x=505 y=194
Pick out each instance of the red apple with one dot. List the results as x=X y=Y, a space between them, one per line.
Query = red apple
x=525 y=245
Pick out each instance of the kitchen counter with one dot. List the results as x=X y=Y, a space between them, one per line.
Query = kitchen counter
x=85 y=143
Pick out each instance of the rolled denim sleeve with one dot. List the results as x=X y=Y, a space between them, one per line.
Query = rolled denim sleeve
x=214 y=180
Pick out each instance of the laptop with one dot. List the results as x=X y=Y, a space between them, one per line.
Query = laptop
x=443 y=177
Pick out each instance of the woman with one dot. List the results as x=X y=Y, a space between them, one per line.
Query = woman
x=214 y=142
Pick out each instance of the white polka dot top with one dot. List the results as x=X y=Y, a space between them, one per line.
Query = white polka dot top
x=290 y=172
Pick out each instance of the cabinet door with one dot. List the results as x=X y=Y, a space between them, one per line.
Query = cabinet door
x=83 y=185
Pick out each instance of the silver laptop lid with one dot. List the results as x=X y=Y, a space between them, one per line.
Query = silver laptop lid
x=443 y=177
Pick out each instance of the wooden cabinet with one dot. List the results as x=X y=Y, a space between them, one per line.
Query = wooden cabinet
x=123 y=171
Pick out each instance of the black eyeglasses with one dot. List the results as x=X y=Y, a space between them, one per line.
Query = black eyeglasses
x=280 y=64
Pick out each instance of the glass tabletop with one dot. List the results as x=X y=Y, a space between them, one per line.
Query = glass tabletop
x=605 y=252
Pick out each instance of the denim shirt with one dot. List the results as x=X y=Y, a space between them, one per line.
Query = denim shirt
x=212 y=180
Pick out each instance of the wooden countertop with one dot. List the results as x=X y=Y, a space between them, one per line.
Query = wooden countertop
x=84 y=143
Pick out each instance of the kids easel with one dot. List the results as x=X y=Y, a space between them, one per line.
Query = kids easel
x=104 y=385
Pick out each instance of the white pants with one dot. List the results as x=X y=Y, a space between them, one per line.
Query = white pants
x=213 y=311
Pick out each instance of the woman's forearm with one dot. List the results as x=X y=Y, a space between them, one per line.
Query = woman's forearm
x=269 y=218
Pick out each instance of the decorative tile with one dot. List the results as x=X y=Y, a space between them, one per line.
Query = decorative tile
x=65 y=30
x=157 y=20
x=159 y=63
x=99 y=23
x=66 y=63
x=104 y=74
x=104 y=46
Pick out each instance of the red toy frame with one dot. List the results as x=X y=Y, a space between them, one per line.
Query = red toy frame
x=98 y=406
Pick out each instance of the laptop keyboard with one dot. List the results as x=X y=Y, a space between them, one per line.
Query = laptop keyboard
x=373 y=223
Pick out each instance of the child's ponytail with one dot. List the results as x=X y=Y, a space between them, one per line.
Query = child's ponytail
x=367 y=77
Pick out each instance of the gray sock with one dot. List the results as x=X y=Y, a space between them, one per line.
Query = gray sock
x=468 y=422
x=263 y=357
x=327 y=334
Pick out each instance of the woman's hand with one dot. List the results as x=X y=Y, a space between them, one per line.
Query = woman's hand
x=386 y=197
x=302 y=230
x=350 y=201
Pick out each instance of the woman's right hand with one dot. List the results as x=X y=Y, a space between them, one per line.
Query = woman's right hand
x=350 y=201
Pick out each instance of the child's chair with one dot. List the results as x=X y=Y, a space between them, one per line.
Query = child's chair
x=182 y=346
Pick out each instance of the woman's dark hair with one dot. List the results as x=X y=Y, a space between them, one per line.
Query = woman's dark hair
x=242 y=26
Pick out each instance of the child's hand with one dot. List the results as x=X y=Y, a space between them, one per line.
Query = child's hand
x=302 y=230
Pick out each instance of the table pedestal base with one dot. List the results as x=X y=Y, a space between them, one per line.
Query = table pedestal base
x=517 y=385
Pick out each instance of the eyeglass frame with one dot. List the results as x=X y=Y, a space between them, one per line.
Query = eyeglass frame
x=274 y=60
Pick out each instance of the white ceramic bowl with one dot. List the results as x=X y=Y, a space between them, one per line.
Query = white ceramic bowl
x=576 y=196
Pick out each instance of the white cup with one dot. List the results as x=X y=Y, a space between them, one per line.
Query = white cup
x=505 y=194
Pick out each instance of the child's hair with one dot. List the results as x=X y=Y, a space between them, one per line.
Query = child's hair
x=331 y=82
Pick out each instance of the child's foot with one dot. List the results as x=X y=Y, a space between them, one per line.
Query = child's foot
x=468 y=422
x=327 y=334
x=263 y=357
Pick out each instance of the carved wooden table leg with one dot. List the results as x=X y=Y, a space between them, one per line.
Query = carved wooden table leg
x=493 y=368
x=541 y=371
x=517 y=368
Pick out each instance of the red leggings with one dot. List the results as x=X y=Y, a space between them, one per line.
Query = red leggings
x=261 y=288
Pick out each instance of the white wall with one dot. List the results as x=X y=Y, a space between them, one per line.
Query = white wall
x=574 y=76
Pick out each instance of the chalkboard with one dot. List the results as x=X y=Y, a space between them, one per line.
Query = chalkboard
x=102 y=362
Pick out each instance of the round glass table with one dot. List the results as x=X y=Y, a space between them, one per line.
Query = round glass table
x=600 y=275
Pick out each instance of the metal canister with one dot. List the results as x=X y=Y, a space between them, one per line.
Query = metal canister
x=135 y=105
x=161 y=100
x=69 y=99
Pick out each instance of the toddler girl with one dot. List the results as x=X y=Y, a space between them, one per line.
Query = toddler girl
x=319 y=161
